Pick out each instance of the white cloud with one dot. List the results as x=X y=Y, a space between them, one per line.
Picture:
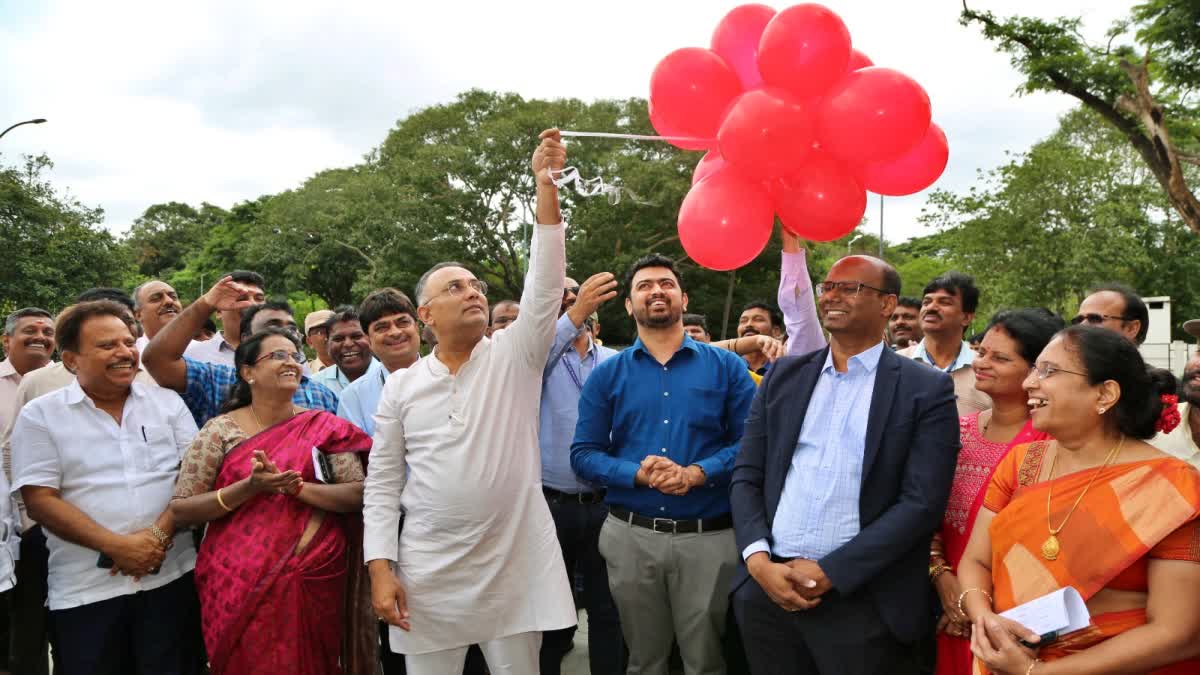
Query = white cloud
x=225 y=101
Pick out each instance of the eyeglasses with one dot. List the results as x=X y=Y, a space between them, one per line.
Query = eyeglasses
x=573 y=290
x=850 y=288
x=459 y=286
x=282 y=355
x=1045 y=370
x=1096 y=319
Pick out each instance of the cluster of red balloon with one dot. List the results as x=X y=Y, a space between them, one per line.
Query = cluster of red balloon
x=801 y=125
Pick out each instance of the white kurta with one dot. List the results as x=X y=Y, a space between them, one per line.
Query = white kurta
x=478 y=556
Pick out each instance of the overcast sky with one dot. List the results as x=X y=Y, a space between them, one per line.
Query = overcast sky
x=224 y=101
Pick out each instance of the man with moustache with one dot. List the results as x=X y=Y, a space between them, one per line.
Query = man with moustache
x=155 y=303
x=503 y=313
x=577 y=506
x=316 y=335
x=696 y=326
x=948 y=306
x=905 y=324
x=759 y=318
x=456 y=450
x=96 y=463
x=841 y=478
x=658 y=430
x=390 y=322
x=1118 y=308
x=1181 y=441
x=350 y=350
x=28 y=345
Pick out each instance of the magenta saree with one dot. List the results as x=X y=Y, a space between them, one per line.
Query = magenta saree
x=263 y=603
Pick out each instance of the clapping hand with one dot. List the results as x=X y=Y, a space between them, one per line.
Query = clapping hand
x=266 y=477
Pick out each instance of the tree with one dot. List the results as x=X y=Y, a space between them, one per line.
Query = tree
x=166 y=235
x=1144 y=90
x=54 y=245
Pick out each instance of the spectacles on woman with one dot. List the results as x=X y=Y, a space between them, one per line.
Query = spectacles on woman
x=1045 y=370
x=1096 y=319
x=282 y=355
x=850 y=288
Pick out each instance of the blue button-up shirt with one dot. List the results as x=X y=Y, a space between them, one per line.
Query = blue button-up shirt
x=358 y=401
x=818 y=509
x=208 y=385
x=965 y=356
x=562 y=383
x=691 y=410
x=336 y=381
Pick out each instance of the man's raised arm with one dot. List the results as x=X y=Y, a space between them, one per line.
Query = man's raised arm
x=163 y=357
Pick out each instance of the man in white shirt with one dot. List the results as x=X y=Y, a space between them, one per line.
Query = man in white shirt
x=1181 y=441
x=456 y=449
x=155 y=303
x=221 y=348
x=96 y=463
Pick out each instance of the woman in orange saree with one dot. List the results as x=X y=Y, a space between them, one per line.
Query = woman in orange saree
x=279 y=569
x=1096 y=509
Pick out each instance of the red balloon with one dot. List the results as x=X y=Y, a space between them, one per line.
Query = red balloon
x=804 y=49
x=873 y=115
x=821 y=202
x=766 y=132
x=664 y=129
x=725 y=221
x=708 y=164
x=913 y=171
x=858 y=61
x=691 y=89
x=736 y=40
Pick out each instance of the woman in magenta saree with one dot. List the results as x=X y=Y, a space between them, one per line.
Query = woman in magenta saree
x=278 y=571
x=1010 y=345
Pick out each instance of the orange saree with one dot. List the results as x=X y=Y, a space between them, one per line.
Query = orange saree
x=1134 y=512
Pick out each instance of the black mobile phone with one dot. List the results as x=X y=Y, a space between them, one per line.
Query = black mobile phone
x=1046 y=638
x=105 y=562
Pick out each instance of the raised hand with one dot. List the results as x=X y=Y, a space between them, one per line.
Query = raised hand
x=550 y=154
x=597 y=290
x=228 y=295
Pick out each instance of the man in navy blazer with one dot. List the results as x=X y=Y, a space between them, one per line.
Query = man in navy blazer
x=842 y=478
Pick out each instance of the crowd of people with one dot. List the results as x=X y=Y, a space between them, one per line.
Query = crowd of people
x=848 y=486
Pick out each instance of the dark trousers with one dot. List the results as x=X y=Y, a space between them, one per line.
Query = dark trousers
x=153 y=632
x=578 y=526
x=29 y=642
x=393 y=663
x=841 y=636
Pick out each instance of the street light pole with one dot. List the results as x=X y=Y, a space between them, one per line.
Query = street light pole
x=851 y=242
x=39 y=120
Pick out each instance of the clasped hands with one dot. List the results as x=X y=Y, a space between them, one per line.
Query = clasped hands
x=795 y=585
x=669 y=478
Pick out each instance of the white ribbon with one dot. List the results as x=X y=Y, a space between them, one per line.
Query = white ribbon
x=638 y=137
x=590 y=187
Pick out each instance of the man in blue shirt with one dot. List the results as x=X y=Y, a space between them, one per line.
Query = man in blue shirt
x=389 y=320
x=576 y=505
x=205 y=386
x=350 y=349
x=841 y=479
x=658 y=429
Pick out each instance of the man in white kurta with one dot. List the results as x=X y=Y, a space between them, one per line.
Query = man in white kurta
x=477 y=559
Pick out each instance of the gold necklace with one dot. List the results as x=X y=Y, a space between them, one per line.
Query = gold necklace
x=261 y=426
x=1051 y=548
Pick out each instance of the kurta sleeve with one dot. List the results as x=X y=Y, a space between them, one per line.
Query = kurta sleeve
x=531 y=335
x=386 y=477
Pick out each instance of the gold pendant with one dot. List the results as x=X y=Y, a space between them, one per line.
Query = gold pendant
x=1050 y=548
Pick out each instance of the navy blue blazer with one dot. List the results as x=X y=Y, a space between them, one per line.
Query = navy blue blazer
x=911 y=449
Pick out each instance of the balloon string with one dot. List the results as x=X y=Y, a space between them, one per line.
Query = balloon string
x=590 y=187
x=638 y=137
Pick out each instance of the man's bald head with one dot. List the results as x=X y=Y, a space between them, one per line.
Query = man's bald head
x=858 y=297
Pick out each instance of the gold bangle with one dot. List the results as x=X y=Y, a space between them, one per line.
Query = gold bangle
x=222 y=501
x=964 y=594
x=938 y=570
x=1029 y=670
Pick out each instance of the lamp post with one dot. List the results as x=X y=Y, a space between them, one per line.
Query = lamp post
x=851 y=242
x=39 y=120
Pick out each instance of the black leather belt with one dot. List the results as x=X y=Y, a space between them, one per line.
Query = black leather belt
x=573 y=497
x=671 y=526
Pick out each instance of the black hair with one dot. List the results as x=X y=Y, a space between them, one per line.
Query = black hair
x=651 y=260
x=911 y=303
x=10 y=324
x=696 y=320
x=69 y=326
x=1135 y=308
x=891 y=280
x=772 y=312
x=248 y=351
x=1031 y=328
x=384 y=302
x=498 y=305
x=1107 y=355
x=976 y=338
x=341 y=314
x=249 y=278
x=210 y=325
x=249 y=313
x=956 y=283
x=105 y=293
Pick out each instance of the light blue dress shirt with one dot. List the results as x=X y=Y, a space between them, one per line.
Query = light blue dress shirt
x=562 y=383
x=965 y=356
x=358 y=401
x=332 y=377
x=818 y=509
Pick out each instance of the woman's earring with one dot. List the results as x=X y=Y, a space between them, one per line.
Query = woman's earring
x=252 y=382
x=1101 y=411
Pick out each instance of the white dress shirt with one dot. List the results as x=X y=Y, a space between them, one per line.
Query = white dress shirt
x=122 y=477
x=216 y=350
x=1180 y=442
x=478 y=555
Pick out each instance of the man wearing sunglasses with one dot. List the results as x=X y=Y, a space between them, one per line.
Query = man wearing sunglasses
x=205 y=386
x=1118 y=308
